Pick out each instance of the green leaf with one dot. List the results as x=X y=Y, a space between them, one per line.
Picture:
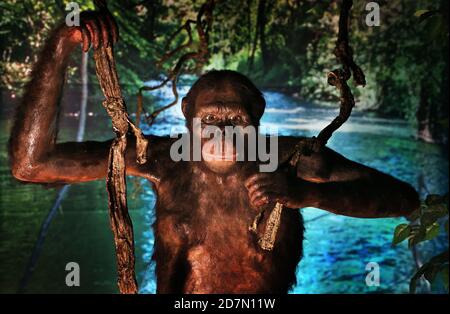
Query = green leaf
x=434 y=199
x=444 y=275
x=439 y=209
x=433 y=212
x=419 y=13
x=312 y=11
x=428 y=218
x=441 y=258
x=401 y=233
x=432 y=231
x=429 y=270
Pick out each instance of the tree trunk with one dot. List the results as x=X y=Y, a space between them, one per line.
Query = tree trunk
x=249 y=24
x=432 y=114
x=442 y=123
x=259 y=31
x=424 y=115
x=262 y=12
x=84 y=96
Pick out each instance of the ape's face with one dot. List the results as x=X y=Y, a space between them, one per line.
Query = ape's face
x=219 y=108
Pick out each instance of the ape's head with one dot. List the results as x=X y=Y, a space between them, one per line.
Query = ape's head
x=222 y=98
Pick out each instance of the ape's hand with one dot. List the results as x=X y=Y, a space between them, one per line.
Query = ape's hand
x=266 y=188
x=96 y=28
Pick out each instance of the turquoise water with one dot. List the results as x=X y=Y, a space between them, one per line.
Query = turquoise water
x=337 y=248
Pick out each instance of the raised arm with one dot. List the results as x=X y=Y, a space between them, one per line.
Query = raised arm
x=329 y=181
x=34 y=154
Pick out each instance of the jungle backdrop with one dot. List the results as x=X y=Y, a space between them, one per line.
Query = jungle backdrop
x=400 y=126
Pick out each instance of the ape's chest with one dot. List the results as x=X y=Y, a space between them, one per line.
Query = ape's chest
x=205 y=227
x=205 y=210
x=204 y=197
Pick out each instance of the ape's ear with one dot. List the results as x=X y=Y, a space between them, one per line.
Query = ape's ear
x=184 y=107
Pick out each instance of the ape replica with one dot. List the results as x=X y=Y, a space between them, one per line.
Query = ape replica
x=204 y=208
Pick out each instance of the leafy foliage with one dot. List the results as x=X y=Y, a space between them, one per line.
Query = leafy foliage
x=286 y=45
x=425 y=225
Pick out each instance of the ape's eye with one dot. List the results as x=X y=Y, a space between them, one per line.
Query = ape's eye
x=236 y=120
x=210 y=119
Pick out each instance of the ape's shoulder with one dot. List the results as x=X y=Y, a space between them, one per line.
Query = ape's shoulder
x=318 y=166
x=286 y=145
x=159 y=147
x=159 y=143
x=158 y=156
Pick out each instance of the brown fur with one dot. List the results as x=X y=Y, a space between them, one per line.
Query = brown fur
x=209 y=217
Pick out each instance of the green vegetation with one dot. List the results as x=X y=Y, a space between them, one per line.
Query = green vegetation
x=425 y=225
x=285 y=45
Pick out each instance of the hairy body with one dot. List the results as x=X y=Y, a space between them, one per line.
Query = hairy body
x=203 y=211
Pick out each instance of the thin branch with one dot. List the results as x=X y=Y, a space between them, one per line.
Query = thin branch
x=120 y=220
x=203 y=25
x=337 y=78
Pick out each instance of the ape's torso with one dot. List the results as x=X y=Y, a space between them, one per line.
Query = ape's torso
x=202 y=238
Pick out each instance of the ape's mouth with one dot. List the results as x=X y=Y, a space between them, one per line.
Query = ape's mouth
x=219 y=157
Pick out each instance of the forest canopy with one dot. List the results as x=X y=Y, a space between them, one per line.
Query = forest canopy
x=282 y=45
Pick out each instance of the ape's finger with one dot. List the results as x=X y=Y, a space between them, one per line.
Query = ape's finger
x=254 y=195
x=261 y=184
x=257 y=195
x=104 y=31
x=97 y=27
x=260 y=201
x=86 y=38
x=249 y=181
x=93 y=32
x=277 y=197
x=254 y=178
x=113 y=26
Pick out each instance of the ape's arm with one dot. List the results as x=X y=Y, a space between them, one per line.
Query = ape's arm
x=329 y=181
x=348 y=188
x=34 y=154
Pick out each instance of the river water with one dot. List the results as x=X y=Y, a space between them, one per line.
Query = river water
x=337 y=248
